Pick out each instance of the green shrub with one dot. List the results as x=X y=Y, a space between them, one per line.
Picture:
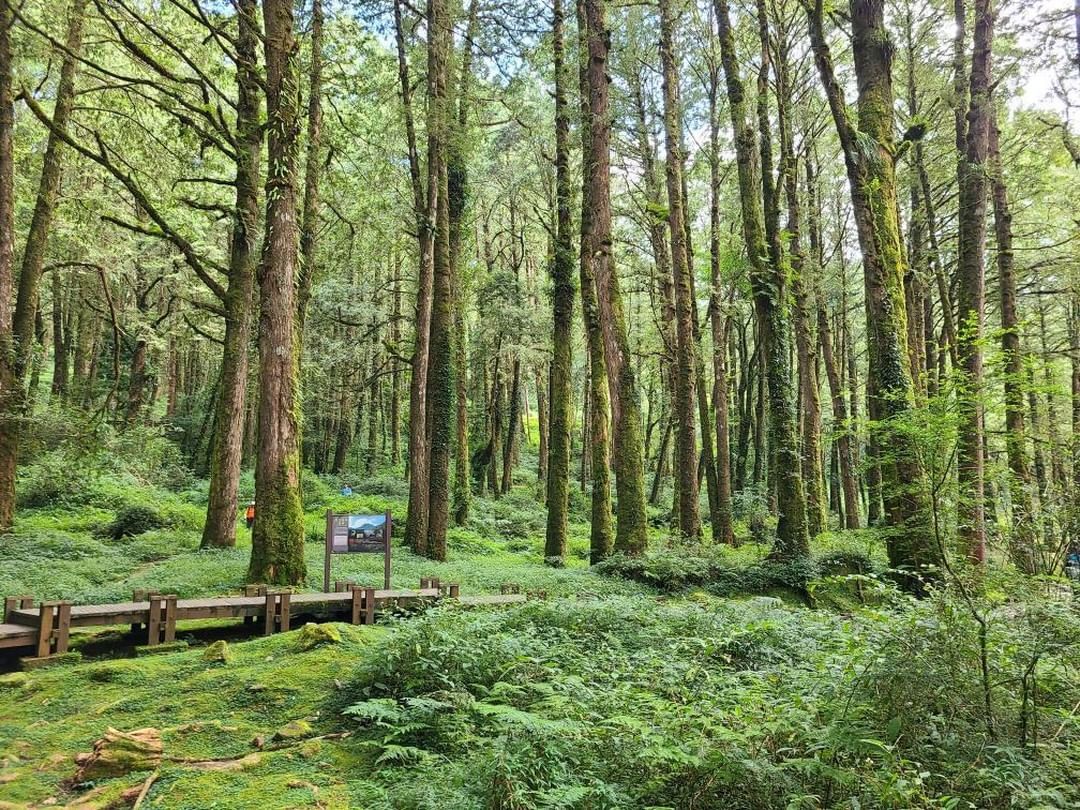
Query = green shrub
x=134 y=520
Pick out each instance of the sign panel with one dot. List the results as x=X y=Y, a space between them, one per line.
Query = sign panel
x=357 y=534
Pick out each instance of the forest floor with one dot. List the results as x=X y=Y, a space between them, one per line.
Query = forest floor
x=679 y=681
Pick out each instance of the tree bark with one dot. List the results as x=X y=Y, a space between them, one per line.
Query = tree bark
x=601 y=536
x=562 y=277
x=767 y=281
x=872 y=182
x=971 y=292
x=689 y=524
x=277 y=538
x=227 y=444
x=309 y=225
x=440 y=388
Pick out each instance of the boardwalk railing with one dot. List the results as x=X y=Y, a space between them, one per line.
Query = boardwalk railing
x=46 y=627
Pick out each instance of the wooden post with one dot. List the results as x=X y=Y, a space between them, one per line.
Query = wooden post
x=170 y=618
x=139 y=595
x=369 y=599
x=45 y=628
x=454 y=590
x=387 y=529
x=435 y=584
x=153 y=624
x=357 y=595
x=329 y=549
x=268 y=616
x=63 y=626
x=284 y=599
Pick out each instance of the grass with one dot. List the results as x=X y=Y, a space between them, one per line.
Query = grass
x=659 y=682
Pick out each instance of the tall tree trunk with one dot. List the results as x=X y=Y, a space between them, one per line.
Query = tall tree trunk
x=686 y=355
x=440 y=387
x=61 y=339
x=17 y=345
x=457 y=187
x=722 y=529
x=309 y=225
x=767 y=281
x=277 y=538
x=601 y=536
x=416 y=529
x=872 y=181
x=562 y=295
x=631 y=530
x=1022 y=537
x=10 y=387
x=513 y=428
x=971 y=292
x=227 y=444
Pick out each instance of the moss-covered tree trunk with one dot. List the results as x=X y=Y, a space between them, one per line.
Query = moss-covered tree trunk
x=226 y=451
x=277 y=538
x=971 y=293
x=686 y=466
x=718 y=321
x=773 y=327
x=17 y=345
x=562 y=296
x=869 y=158
x=1023 y=532
x=440 y=384
x=601 y=533
x=9 y=386
x=631 y=528
x=424 y=202
x=309 y=225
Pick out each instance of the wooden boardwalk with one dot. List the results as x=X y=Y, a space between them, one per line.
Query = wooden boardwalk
x=45 y=627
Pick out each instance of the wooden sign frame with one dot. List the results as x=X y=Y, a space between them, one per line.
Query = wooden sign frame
x=387 y=531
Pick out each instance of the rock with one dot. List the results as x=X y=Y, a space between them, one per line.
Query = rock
x=296 y=730
x=314 y=635
x=13 y=680
x=218 y=652
x=119 y=753
x=259 y=741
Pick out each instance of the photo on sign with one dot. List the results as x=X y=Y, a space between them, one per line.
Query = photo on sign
x=366 y=532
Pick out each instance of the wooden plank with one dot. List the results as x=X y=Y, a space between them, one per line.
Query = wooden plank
x=45 y=628
x=17 y=635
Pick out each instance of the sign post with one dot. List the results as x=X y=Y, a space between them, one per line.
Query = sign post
x=357 y=534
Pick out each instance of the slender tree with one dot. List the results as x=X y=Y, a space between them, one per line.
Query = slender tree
x=686 y=347
x=631 y=524
x=562 y=276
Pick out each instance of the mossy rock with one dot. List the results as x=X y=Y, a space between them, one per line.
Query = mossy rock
x=315 y=635
x=295 y=730
x=217 y=653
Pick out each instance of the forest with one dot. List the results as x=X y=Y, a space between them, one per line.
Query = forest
x=741 y=336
